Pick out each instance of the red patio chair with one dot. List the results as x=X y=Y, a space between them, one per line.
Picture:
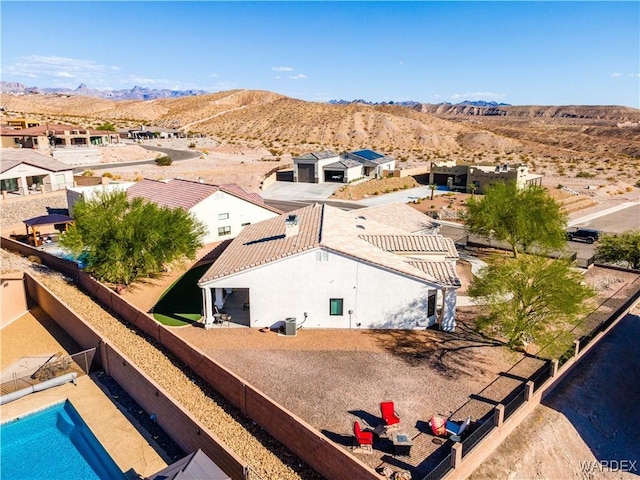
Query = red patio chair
x=362 y=438
x=438 y=426
x=389 y=415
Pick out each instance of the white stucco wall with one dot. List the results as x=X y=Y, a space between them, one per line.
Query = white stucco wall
x=240 y=211
x=55 y=180
x=299 y=284
x=354 y=172
x=89 y=193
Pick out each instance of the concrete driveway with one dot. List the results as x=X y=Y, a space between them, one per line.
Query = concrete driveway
x=402 y=196
x=300 y=191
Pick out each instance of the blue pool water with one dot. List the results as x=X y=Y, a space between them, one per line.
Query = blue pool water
x=53 y=444
x=81 y=260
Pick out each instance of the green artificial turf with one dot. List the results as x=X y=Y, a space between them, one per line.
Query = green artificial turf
x=181 y=303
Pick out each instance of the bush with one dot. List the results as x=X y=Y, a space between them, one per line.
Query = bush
x=560 y=186
x=107 y=174
x=583 y=174
x=164 y=161
x=192 y=145
x=87 y=173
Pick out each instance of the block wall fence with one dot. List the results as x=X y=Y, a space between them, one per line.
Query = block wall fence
x=325 y=457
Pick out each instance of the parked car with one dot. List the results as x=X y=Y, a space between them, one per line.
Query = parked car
x=584 y=235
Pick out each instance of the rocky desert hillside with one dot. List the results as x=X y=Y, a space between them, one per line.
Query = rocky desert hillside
x=582 y=141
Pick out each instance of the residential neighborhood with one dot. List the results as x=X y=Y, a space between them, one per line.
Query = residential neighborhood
x=319 y=241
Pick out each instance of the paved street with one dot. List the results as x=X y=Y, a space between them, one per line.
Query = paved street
x=615 y=220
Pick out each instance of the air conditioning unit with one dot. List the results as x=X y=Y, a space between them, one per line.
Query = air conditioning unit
x=290 y=326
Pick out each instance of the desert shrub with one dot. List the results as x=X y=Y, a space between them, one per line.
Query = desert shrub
x=560 y=186
x=583 y=174
x=107 y=174
x=164 y=161
x=87 y=173
x=192 y=145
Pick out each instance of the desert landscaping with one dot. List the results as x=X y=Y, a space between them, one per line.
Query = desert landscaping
x=589 y=159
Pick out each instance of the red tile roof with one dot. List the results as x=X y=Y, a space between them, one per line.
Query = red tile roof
x=51 y=127
x=186 y=194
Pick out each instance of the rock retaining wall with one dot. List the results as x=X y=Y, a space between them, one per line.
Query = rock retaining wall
x=16 y=209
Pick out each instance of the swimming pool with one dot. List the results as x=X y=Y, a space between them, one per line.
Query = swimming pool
x=53 y=444
x=58 y=251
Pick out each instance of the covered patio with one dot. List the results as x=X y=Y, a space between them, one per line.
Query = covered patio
x=37 y=225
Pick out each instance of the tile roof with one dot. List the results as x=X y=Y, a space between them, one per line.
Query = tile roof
x=398 y=215
x=320 y=226
x=444 y=272
x=265 y=241
x=413 y=244
x=186 y=194
x=55 y=128
x=12 y=157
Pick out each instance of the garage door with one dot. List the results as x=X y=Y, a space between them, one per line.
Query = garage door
x=336 y=176
x=306 y=173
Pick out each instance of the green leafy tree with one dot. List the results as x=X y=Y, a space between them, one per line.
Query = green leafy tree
x=530 y=298
x=108 y=126
x=129 y=239
x=623 y=248
x=523 y=217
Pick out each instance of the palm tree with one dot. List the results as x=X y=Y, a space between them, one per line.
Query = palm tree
x=433 y=188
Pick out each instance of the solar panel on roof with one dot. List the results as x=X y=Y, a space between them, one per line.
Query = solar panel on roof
x=368 y=154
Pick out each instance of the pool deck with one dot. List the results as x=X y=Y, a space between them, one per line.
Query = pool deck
x=29 y=336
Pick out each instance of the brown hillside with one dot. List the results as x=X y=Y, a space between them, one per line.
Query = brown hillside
x=599 y=142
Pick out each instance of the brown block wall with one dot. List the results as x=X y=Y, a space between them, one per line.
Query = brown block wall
x=322 y=455
x=13 y=299
x=184 y=430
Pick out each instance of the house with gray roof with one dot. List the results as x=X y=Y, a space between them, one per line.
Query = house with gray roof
x=25 y=171
x=330 y=268
x=328 y=166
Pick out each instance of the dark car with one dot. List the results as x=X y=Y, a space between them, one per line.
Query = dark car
x=584 y=235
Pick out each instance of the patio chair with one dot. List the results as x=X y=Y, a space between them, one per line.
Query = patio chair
x=456 y=429
x=438 y=426
x=389 y=415
x=363 y=439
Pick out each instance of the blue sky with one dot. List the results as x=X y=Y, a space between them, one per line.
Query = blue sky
x=547 y=53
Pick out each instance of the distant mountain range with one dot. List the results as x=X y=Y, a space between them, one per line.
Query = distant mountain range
x=135 y=93
x=144 y=93
x=412 y=103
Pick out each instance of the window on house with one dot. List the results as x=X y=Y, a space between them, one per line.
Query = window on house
x=431 y=305
x=223 y=216
x=16 y=140
x=245 y=224
x=224 y=231
x=335 y=306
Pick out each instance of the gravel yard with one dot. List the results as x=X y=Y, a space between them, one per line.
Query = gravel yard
x=267 y=457
x=329 y=378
